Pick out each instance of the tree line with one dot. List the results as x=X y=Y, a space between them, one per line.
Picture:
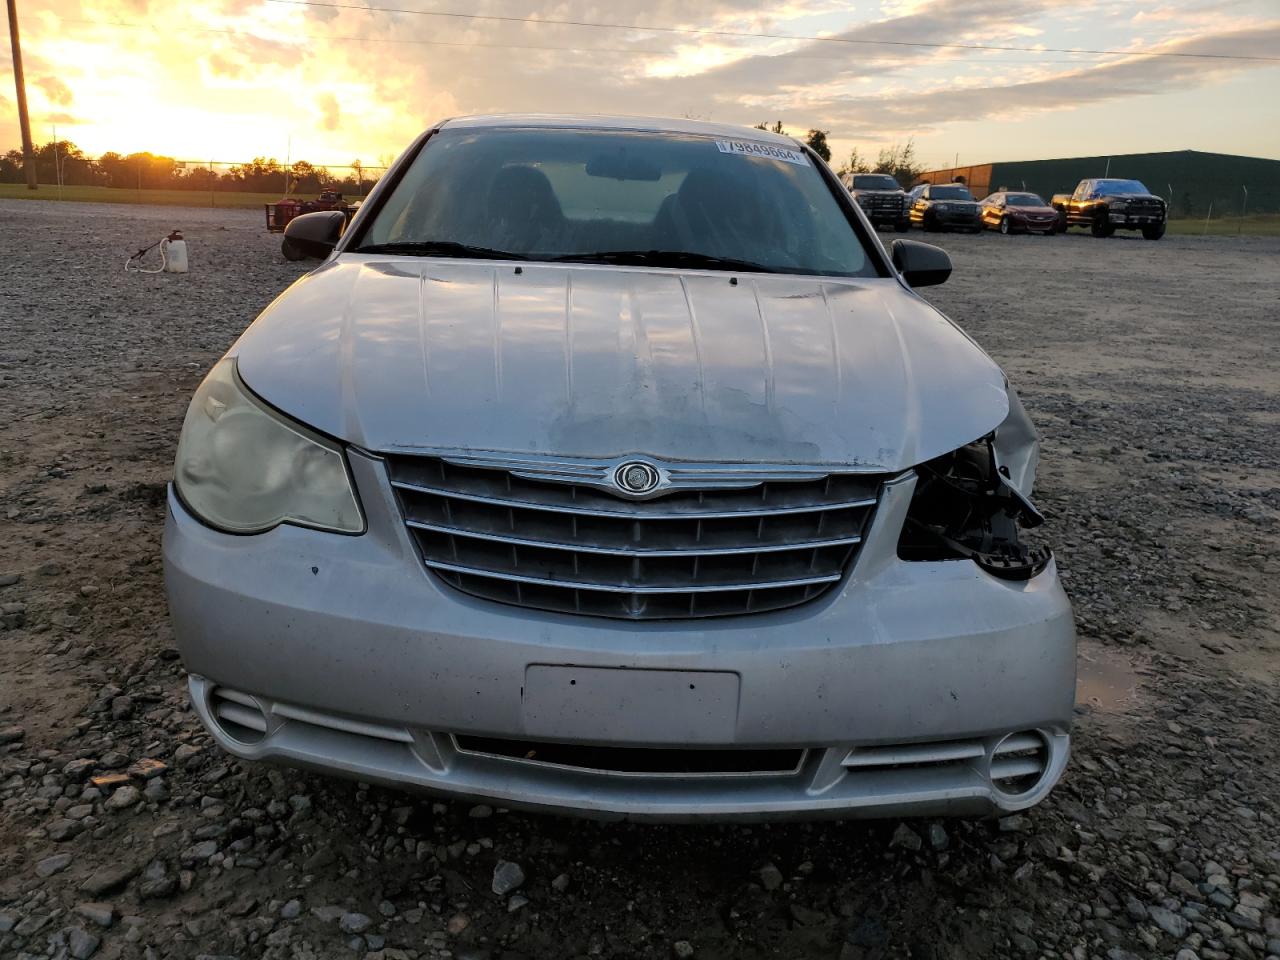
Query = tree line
x=899 y=160
x=63 y=162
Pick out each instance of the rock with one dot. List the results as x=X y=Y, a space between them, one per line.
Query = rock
x=185 y=753
x=124 y=798
x=561 y=883
x=507 y=876
x=457 y=923
x=11 y=734
x=480 y=812
x=770 y=877
x=121 y=708
x=78 y=770
x=354 y=923
x=682 y=949
x=51 y=865
x=100 y=913
x=9 y=579
x=938 y=836
x=109 y=879
x=1018 y=823
x=905 y=838
x=198 y=853
x=291 y=910
x=31 y=925
x=156 y=883
x=61 y=830
x=1171 y=923
x=517 y=902
x=81 y=944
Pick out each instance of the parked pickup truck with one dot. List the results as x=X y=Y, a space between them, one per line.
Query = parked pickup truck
x=1105 y=206
x=880 y=198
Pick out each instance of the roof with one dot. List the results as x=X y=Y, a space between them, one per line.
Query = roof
x=650 y=124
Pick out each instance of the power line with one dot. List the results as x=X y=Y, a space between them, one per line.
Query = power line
x=627 y=51
x=706 y=32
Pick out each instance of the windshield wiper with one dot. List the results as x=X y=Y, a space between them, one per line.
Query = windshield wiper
x=438 y=248
x=666 y=258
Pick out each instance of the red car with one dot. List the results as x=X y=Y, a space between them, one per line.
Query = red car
x=1017 y=212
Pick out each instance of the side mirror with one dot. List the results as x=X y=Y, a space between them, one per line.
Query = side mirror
x=921 y=264
x=313 y=235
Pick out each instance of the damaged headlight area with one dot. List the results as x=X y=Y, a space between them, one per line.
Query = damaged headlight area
x=964 y=506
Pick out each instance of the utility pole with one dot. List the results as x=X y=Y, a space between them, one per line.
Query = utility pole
x=24 y=122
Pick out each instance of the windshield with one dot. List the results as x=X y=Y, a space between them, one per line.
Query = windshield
x=565 y=194
x=1111 y=188
x=1024 y=200
x=875 y=181
x=949 y=192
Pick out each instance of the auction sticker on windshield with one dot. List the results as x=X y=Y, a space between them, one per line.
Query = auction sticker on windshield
x=750 y=148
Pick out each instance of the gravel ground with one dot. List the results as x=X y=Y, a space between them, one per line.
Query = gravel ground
x=1152 y=372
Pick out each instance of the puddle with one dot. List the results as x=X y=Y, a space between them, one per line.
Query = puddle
x=1105 y=680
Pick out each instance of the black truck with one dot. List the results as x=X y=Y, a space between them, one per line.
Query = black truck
x=880 y=198
x=1108 y=205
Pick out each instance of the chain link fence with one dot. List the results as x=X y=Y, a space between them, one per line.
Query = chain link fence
x=222 y=183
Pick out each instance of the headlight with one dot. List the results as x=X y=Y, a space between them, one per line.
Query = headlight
x=965 y=507
x=244 y=468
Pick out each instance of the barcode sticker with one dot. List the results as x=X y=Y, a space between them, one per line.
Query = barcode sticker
x=750 y=148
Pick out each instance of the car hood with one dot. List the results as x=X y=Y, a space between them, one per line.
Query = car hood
x=1046 y=210
x=1131 y=196
x=398 y=354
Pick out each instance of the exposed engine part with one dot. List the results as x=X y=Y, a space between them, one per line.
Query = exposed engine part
x=964 y=506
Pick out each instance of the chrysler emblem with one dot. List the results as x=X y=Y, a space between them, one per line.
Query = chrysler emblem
x=636 y=477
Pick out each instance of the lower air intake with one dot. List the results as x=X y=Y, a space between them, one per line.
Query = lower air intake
x=239 y=715
x=1019 y=762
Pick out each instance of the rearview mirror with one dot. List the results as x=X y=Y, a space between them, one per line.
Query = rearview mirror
x=313 y=235
x=921 y=264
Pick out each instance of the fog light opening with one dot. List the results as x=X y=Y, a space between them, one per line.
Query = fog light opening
x=1020 y=764
x=238 y=716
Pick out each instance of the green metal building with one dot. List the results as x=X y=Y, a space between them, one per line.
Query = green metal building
x=1189 y=179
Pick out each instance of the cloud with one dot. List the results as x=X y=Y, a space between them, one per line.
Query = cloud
x=343 y=83
x=330 y=114
x=55 y=90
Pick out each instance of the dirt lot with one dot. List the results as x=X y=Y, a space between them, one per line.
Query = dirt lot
x=1153 y=372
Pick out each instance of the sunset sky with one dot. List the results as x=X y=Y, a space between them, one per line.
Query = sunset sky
x=231 y=79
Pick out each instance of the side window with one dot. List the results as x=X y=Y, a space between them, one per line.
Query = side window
x=1082 y=190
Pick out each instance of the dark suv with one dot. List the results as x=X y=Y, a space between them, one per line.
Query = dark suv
x=881 y=199
x=946 y=206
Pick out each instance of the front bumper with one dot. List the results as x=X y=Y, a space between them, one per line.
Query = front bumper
x=357 y=662
x=957 y=218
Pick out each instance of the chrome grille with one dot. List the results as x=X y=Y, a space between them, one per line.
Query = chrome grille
x=738 y=546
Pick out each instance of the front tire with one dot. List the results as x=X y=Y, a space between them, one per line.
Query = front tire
x=930 y=223
x=1153 y=232
x=1004 y=225
x=902 y=226
x=1061 y=225
x=1101 y=227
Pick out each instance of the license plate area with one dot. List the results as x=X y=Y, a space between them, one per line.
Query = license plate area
x=613 y=705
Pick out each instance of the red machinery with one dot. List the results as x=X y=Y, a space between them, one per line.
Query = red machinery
x=281 y=212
